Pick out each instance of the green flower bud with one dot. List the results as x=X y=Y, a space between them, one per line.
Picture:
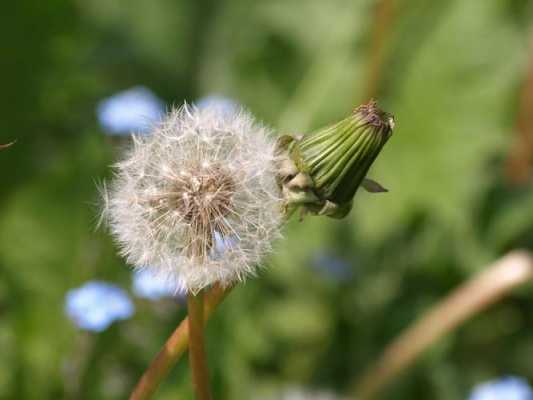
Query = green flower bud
x=332 y=162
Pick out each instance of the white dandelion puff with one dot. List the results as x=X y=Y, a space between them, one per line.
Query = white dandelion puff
x=197 y=200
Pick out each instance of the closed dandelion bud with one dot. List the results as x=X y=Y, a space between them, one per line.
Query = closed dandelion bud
x=196 y=202
x=329 y=165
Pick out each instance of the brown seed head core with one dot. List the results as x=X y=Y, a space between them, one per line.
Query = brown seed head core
x=201 y=196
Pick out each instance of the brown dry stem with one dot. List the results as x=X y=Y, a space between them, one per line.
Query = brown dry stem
x=472 y=297
x=174 y=348
x=197 y=353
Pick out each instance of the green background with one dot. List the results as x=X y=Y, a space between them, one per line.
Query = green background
x=451 y=72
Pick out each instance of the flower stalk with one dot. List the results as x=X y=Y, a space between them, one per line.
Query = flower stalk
x=197 y=354
x=474 y=296
x=174 y=348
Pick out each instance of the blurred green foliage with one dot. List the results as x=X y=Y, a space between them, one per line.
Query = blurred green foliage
x=451 y=73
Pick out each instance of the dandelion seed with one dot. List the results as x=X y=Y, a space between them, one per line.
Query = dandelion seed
x=197 y=200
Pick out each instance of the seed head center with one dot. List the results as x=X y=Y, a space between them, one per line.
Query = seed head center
x=203 y=195
x=200 y=196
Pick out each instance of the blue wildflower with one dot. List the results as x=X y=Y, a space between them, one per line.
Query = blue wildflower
x=96 y=305
x=506 y=388
x=133 y=110
x=149 y=286
x=222 y=244
x=332 y=266
x=220 y=103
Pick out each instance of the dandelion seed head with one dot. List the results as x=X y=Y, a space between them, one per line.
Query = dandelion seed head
x=197 y=200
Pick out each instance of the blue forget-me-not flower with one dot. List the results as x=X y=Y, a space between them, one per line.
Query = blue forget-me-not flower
x=332 y=266
x=153 y=287
x=134 y=110
x=506 y=388
x=96 y=305
x=220 y=103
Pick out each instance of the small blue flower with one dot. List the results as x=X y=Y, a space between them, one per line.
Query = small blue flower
x=222 y=244
x=506 y=388
x=131 y=111
x=220 y=103
x=149 y=286
x=96 y=305
x=332 y=266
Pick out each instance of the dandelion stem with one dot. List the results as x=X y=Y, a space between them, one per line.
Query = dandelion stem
x=385 y=14
x=173 y=349
x=520 y=159
x=197 y=354
x=484 y=289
